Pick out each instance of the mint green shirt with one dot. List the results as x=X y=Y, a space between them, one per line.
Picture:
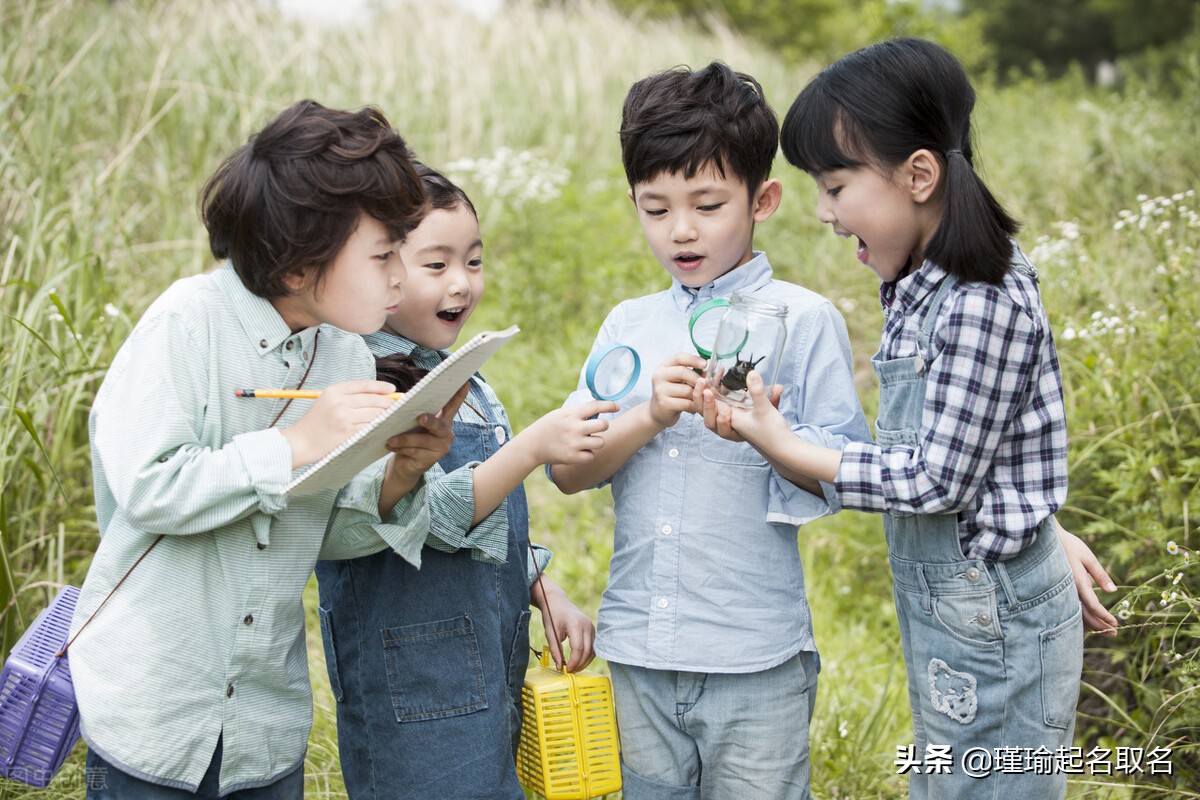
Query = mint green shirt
x=205 y=639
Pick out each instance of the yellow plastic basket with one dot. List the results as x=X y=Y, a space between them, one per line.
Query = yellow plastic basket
x=569 y=748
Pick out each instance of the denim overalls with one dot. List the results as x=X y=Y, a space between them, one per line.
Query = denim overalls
x=427 y=665
x=993 y=649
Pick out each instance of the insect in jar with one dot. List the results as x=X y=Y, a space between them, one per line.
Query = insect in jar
x=735 y=379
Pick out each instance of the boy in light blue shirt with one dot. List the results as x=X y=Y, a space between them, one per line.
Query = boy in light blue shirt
x=705 y=623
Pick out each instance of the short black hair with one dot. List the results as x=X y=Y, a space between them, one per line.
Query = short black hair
x=399 y=370
x=879 y=105
x=681 y=121
x=441 y=192
x=292 y=195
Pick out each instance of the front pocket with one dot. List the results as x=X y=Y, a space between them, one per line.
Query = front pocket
x=1062 y=664
x=433 y=669
x=969 y=617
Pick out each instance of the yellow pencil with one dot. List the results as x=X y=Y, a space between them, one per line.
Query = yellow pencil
x=295 y=394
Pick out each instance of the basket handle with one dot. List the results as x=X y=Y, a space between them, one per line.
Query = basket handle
x=92 y=616
x=303 y=378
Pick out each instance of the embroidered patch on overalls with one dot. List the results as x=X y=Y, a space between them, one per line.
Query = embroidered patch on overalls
x=952 y=692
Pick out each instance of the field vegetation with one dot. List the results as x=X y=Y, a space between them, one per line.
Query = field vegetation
x=112 y=114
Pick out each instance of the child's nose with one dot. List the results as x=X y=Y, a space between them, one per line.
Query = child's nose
x=824 y=212
x=684 y=230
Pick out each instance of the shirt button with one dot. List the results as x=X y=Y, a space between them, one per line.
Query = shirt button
x=248 y=619
x=666 y=530
x=261 y=546
x=662 y=602
x=304 y=356
x=500 y=434
x=972 y=575
x=673 y=452
x=290 y=345
x=262 y=343
x=162 y=459
x=229 y=690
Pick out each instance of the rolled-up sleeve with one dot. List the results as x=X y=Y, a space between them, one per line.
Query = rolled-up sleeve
x=822 y=408
x=452 y=508
x=355 y=528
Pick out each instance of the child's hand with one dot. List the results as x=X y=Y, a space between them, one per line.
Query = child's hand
x=673 y=387
x=341 y=410
x=1086 y=568
x=567 y=435
x=572 y=625
x=758 y=424
x=416 y=451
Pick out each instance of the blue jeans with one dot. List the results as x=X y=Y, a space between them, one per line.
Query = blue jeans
x=691 y=735
x=106 y=782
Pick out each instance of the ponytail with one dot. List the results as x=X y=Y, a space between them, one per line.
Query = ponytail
x=973 y=239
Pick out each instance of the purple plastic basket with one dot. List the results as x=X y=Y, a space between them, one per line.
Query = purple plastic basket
x=39 y=720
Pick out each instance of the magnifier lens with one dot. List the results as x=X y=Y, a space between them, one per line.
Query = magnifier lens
x=705 y=321
x=613 y=371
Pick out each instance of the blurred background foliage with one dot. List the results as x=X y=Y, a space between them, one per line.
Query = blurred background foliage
x=113 y=112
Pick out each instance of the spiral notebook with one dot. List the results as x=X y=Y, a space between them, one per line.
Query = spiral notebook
x=429 y=395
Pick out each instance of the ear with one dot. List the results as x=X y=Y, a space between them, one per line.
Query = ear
x=295 y=279
x=766 y=199
x=632 y=199
x=922 y=175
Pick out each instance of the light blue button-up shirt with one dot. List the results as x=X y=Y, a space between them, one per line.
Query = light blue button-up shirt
x=205 y=638
x=705 y=574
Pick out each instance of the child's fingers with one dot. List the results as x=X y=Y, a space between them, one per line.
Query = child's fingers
x=594 y=407
x=449 y=411
x=690 y=361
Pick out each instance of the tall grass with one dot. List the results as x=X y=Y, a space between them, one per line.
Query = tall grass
x=113 y=113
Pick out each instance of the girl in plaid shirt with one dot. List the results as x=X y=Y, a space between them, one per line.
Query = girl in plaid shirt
x=970 y=461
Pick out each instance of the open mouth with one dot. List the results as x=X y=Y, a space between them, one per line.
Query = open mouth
x=451 y=314
x=688 y=260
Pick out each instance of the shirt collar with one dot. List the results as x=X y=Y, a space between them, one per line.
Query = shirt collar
x=383 y=342
x=754 y=274
x=909 y=291
x=262 y=325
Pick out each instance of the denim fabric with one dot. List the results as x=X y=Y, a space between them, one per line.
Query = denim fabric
x=427 y=665
x=107 y=782
x=713 y=736
x=994 y=649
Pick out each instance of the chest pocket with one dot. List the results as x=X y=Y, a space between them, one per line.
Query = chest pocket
x=716 y=450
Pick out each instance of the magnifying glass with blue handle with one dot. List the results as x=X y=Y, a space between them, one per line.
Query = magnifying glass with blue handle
x=612 y=371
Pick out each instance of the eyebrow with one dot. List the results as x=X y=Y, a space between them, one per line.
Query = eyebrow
x=700 y=192
x=446 y=248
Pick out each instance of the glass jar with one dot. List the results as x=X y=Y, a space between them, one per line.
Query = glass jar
x=751 y=336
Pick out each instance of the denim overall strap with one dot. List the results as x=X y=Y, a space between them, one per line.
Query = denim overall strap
x=993 y=650
x=928 y=537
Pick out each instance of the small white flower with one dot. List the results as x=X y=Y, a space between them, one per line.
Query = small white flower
x=1172 y=548
x=1124 y=613
x=111 y=310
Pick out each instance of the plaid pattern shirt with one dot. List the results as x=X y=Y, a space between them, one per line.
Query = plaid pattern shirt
x=992 y=446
